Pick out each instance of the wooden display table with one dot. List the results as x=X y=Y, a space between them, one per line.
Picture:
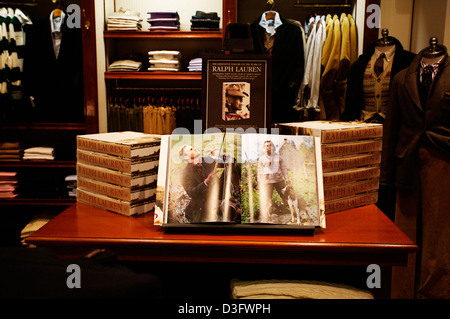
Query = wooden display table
x=353 y=239
x=360 y=236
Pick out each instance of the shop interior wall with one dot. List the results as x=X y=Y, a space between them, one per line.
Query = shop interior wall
x=396 y=16
x=430 y=19
x=414 y=22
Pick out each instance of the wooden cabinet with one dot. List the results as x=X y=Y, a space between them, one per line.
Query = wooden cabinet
x=145 y=84
x=30 y=132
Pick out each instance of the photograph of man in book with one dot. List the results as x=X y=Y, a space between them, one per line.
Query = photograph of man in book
x=236 y=105
x=273 y=175
x=209 y=182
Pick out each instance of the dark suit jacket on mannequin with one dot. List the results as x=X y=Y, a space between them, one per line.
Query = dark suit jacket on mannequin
x=354 y=101
x=55 y=83
x=287 y=67
x=416 y=158
x=408 y=123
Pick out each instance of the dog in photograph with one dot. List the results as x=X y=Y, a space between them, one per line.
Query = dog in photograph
x=296 y=204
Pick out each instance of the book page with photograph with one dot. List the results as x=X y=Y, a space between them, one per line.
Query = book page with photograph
x=279 y=180
x=203 y=179
x=236 y=179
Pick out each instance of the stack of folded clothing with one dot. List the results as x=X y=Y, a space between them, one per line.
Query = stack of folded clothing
x=8 y=184
x=10 y=151
x=125 y=65
x=164 y=20
x=195 y=65
x=36 y=223
x=163 y=60
x=71 y=183
x=205 y=21
x=40 y=153
x=124 y=20
x=295 y=289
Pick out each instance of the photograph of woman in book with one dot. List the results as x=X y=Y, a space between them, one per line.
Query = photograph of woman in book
x=206 y=188
x=236 y=101
x=281 y=181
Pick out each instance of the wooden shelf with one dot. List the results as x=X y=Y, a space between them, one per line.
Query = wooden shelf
x=162 y=34
x=43 y=126
x=37 y=164
x=184 y=76
x=37 y=201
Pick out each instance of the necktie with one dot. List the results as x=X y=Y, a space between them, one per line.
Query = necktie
x=378 y=68
x=427 y=77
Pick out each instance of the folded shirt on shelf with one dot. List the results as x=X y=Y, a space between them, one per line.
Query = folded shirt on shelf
x=164 y=54
x=164 y=15
x=124 y=20
x=8 y=184
x=71 y=183
x=164 y=60
x=164 y=20
x=195 y=65
x=125 y=65
x=10 y=151
x=8 y=177
x=205 y=21
x=39 y=153
x=164 y=28
x=165 y=64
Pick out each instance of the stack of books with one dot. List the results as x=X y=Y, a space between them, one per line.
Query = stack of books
x=118 y=171
x=350 y=153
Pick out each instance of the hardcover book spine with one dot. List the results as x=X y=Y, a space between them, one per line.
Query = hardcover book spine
x=348 y=189
x=115 y=191
x=103 y=147
x=350 y=175
x=333 y=136
x=342 y=204
x=117 y=163
x=96 y=159
x=115 y=177
x=342 y=149
x=112 y=204
x=339 y=163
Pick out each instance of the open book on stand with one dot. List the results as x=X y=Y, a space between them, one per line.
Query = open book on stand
x=238 y=181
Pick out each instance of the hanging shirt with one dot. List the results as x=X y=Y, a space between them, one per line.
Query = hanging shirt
x=270 y=25
x=271 y=28
x=56 y=24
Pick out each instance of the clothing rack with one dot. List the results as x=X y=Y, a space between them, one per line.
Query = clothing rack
x=153 y=110
x=323 y=5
